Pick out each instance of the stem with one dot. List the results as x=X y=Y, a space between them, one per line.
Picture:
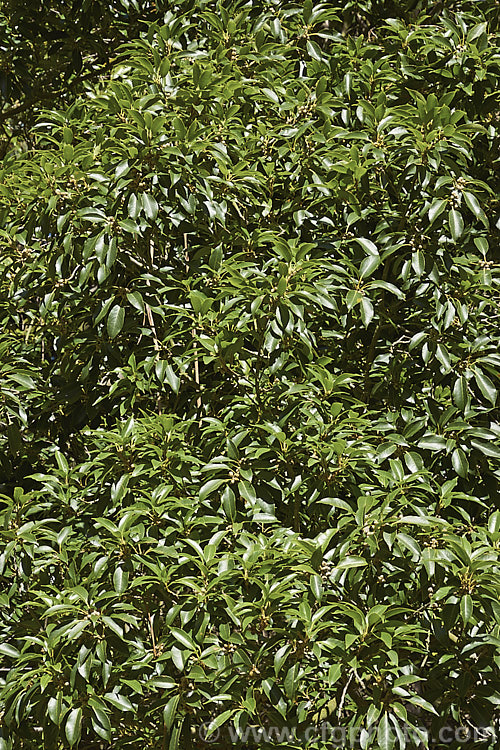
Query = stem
x=343 y=696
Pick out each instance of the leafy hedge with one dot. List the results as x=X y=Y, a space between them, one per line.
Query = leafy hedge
x=248 y=384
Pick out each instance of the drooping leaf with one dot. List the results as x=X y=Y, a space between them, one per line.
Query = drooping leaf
x=116 y=319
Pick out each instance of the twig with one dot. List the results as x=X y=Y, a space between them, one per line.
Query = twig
x=343 y=696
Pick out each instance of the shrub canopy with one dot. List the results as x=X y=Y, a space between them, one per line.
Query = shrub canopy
x=248 y=380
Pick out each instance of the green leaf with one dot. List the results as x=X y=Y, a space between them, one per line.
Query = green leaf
x=172 y=379
x=210 y=487
x=120 y=580
x=482 y=244
x=476 y=31
x=92 y=214
x=436 y=209
x=113 y=626
x=460 y=392
x=84 y=669
x=494 y=522
x=247 y=492
x=473 y=203
x=164 y=372
x=229 y=503
x=466 y=608
x=271 y=95
x=385 y=734
x=410 y=543
x=55 y=708
x=367 y=311
x=443 y=357
x=119 y=701
x=136 y=300
x=122 y=169
x=101 y=713
x=215 y=258
x=460 y=463
x=218 y=722
x=134 y=206
x=316 y=587
x=116 y=318
x=25 y=380
x=456 y=223
x=129 y=225
x=351 y=561
x=386 y=286
x=7 y=650
x=150 y=206
x=280 y=657
x=73 y=726
x=184 y=638
x=334 y=673
x=353 y=297
x=489 y=449
x=418 y=262
x=432 y=443
x=119 y=489
x=369 y=265
x=169 y=712
x=61 y=461
x=417 y=700
x=372 y=714
x=486 y=386
x=314 y=50
x=368 y=246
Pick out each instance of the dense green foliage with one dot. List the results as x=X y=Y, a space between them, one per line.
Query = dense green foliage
x=249 y=304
